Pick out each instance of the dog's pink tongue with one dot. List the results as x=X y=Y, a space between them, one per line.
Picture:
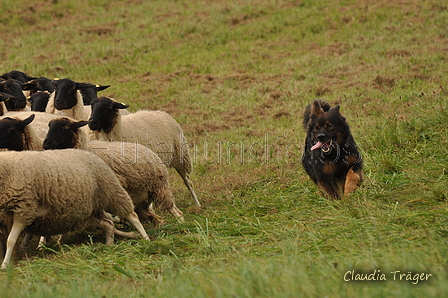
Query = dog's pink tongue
x=317 y=145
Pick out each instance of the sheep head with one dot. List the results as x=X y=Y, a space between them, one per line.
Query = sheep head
x=11 y=132
x=104 y=113
x=63 y=133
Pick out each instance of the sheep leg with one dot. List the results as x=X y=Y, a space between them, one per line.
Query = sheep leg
x=17 y=227
x=176 y=213
x=2 y=241
x=26 y=240
x=155 y=219
x=108 y=227
x=149 y=214
x=133 y=219
x=42 y=242
x=181 y=171
x=125 y=234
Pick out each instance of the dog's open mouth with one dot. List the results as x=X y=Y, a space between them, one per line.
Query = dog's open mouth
x=326 y=147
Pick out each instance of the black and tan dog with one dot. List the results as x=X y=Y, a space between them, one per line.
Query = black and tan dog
x=331 y=157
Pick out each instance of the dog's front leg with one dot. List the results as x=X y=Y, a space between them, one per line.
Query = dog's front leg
x=329 y=187
x=352 y=180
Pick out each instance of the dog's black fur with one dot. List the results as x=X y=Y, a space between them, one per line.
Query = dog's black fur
x=331 y=157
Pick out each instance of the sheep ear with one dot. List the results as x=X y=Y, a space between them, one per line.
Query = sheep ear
x=6 y=96
x=29 y=86
x=118 y=105
x=101 y=87
x=76 y=125
x=28 y=120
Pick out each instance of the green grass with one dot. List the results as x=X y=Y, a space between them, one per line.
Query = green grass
x=237 y=76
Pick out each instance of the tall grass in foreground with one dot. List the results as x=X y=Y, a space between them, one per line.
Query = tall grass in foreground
x=237 y=75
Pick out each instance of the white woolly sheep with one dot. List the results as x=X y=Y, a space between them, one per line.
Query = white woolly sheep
x=156 y=130
x=54 y=192
x=18 y=135
x=140 y=170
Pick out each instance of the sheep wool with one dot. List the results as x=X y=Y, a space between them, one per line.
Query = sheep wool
x=54 y=192
x=158 y=131
x=140 y=171
x=31 y=140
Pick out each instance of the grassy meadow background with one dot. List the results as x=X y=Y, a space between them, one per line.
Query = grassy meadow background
x=237 y=75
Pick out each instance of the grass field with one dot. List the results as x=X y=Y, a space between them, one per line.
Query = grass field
x=237 y=76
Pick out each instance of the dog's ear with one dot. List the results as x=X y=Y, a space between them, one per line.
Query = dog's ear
x=335 y=110
x=316 y=108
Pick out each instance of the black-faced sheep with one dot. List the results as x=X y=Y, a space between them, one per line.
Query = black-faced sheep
x=156 y=130
x=54 y=192
x=39 y=124
x=13 y=88
x=18 y=135
x=69 y=98
x=17 y=75
x=90 y=93
x=39 y=84
x=39 y=100
x=9 y=102
x=66 y=100
x=141 y=171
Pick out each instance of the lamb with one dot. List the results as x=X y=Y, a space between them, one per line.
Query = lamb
x=141 y=171
x=54 y=192
x=155 y=129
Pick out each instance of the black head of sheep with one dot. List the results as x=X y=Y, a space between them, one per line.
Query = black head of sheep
x=12 y=87
x=11 y=131
x=12 y=102
x=104 y=113
x=40 y=84
x=39 y=101
x=90 y=93
x=66 y=93
x=17 y=75
x=62 y=133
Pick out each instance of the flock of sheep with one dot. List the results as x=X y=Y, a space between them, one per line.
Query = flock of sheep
x=113 y=165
